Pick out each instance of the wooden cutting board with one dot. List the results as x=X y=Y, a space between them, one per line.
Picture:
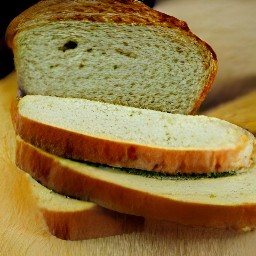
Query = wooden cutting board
x=23 y=231
x=229 y=28
x=240 y=111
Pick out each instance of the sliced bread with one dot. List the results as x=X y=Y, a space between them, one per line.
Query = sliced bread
x=220 y=201
x=240 y=111
x=72 y=219
x=66 y=218
x=122 y=136
x=121 y=52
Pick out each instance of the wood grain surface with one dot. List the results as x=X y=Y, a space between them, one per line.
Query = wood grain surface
x=240 y=111
x=23 y=231
x=229 y=28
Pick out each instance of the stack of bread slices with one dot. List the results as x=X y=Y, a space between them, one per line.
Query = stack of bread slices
x=106 y=115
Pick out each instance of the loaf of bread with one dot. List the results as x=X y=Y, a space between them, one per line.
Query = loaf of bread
x=129 y=137
x=72 y=219
x=96 y=79
x=121 y=52
x=220 y=201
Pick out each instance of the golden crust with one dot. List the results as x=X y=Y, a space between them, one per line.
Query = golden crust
x=90 y=223
x=130 y=12
x=107 y=11
x=78 y=146
x=69 y=181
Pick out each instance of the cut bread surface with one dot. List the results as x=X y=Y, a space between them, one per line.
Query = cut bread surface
x=145 y=59
x=224 y=202
x=73 y=219
x=23 y=200
x=99 y=61
x=122 y=136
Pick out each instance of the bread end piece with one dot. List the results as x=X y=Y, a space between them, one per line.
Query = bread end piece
x=71 y=219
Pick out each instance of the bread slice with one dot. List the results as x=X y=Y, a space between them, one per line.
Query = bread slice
x=72 y=219
x=122 y=136
x=220 y=201
x=244 y=114
x=66 y=218
x=120 y=52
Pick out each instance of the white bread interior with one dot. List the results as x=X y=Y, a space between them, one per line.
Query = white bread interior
x=23 y=200
x=224 y=201
x=122 y=136
x=71 y=219
x=120 y=52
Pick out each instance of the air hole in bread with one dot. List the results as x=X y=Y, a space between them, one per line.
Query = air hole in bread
x=68 y=46
x=126 y=53
x=53 y=66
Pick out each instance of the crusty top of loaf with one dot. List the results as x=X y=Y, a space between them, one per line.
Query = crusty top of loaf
x=178 y=86
x=122 y=11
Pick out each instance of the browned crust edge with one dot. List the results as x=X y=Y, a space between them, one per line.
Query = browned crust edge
x=92 y=223
x=130 y=12
x=77 y=146
x=66 y=180
x=106 y=11
x=86 y=223
x=208 y=84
